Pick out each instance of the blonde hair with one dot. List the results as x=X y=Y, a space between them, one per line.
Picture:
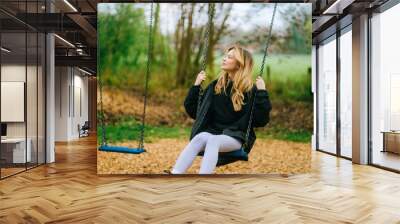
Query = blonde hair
x=242 y=81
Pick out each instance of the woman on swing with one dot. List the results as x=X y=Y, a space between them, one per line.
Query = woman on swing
x=224 y=112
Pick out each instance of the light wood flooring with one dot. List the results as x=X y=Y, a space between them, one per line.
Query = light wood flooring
x=70 y=191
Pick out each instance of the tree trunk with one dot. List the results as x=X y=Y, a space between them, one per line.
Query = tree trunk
x=184 y=63
x=215 y=35
x=188 y=60
x=188 y=47
x=179 y=40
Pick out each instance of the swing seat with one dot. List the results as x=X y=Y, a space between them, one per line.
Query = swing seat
x=122 y=149
x=239 y=154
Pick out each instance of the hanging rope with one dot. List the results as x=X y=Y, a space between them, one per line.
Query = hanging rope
x=149 y=58
x=261 y=72
x=268 y=40
x=211 y=10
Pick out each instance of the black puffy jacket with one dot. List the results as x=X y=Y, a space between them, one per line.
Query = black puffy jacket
x=262 y=108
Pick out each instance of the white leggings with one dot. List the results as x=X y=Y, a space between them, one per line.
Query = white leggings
x=211 y=144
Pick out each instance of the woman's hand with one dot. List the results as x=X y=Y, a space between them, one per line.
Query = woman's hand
x=260 y=83
x=200 y=78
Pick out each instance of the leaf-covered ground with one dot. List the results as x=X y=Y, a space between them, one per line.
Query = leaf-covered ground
x=267 y=156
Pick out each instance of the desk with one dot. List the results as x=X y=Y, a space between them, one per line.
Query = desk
x=16 y=147
x=391 y=141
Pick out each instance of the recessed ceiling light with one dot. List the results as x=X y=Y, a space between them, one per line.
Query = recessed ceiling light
x=5 y=50
x=64 y=40
x=338 y=6
x=71 y=6
x=84 y=71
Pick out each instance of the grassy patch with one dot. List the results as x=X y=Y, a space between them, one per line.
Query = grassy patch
x=130 y=130
x=286 y=135
x=282 y=66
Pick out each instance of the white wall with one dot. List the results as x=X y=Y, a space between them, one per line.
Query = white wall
x=12 y=73
x=71 y=94
x=33 y=126
x=80 y=109
x=61 y=103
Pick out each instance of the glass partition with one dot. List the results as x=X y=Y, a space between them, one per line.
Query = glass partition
x=327 y=96
x=385 y=89
x=31 y=100
x=14 y=154
x=22 y=88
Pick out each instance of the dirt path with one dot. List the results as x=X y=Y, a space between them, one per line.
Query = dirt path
x=267 y=156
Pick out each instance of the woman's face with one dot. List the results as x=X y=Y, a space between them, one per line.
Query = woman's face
x=229 y=63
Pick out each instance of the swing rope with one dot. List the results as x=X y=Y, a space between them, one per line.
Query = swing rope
x=149 y=58
x=261 y=72
x=140 y=149
x=239 y=154
x=211 y=9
